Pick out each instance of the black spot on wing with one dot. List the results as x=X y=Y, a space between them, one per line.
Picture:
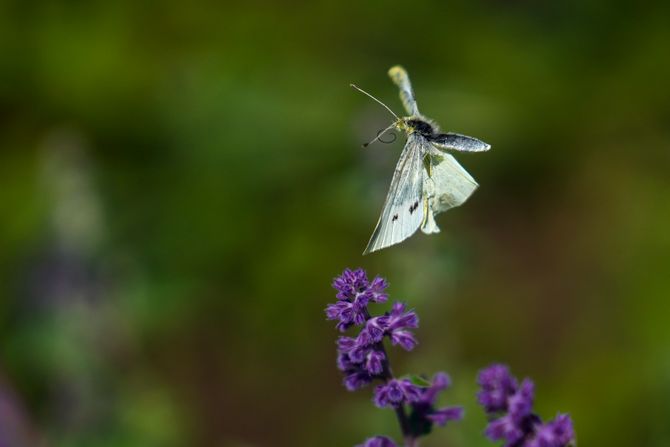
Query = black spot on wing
x=413 y=207
x=395 y=217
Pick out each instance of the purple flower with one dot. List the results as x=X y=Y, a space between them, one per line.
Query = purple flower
x=378 y=441
x=397 y=324
x=343 y=311
x=374 y=362
x=346 y=344
x=511 y=407
x=497 y=384
x=357 y=374
x=373 y=332
x=444 y=415
x=395 y=393
x=354 y=286
x=354 y=292
x=556 y=433
x=350 y=283
x=393 y=324
x=356 y=379
x=361 y=364
x=350 y=360
x=520 y=404
x=424 y=413
x=344 y=363
x=359 y=353
x=399 y=319
x=441 y=381
x=403 y=338
x=504 y=429
x=376 y=290
x=355 y=353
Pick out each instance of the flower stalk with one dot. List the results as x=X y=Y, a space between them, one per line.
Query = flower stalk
x=363 y=359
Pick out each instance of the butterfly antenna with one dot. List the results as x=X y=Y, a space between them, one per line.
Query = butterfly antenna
x=366 y=93
x=379 y=135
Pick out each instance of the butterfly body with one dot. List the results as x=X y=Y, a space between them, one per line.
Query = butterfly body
x=427 y=180
x=418 y=125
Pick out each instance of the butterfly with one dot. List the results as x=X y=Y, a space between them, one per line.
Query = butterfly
x=427 y=179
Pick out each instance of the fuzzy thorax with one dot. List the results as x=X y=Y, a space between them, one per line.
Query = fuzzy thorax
x=414 y=124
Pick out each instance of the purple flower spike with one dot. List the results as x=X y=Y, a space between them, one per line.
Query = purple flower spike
x=378 y=441
x=396 y=392
x=497 y=384
x=363 y=359
x=516 y=423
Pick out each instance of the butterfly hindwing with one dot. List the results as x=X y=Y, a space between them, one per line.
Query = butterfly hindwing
x=403 y=209
x=453 y=185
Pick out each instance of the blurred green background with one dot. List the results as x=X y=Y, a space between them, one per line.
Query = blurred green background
x=180 y=182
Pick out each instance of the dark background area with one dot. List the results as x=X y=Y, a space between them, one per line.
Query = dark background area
x=180 y=182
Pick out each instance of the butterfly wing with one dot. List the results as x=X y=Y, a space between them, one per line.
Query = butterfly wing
x=459 y=142
x=403 y=209
x=401 y=79
x=452 y=184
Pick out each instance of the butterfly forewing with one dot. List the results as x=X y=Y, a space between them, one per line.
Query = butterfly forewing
x=403 y=209
x=459 y=142
x=401 y=79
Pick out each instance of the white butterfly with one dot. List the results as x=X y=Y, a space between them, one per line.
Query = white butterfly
x=427 y=180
